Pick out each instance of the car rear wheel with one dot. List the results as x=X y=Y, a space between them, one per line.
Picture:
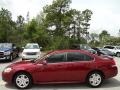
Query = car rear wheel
x=94 y=79
x=22 y=80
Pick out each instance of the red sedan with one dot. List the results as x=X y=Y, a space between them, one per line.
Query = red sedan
x=63 y=66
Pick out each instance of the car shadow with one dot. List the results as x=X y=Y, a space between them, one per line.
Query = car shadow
x=113 y=82
x=7 y=61
x=4 y=61
x=110 y=83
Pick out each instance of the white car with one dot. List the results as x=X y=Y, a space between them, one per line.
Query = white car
x=31 y=51
x=114 y=49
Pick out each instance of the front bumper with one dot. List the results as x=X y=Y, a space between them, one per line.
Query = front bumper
x=7 y=77
x=30 y=56
x=4 y=57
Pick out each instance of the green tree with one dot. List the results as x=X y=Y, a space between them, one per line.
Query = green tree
x=6 y=25
x=56 y=16
x=31 y=30
x=87 y=17
x=103 y=34
x=104 y=37
x=20 y=28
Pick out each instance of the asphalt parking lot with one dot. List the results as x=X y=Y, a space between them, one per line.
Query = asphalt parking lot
x=113 y=83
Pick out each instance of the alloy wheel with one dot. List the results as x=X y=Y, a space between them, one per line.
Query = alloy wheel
x=22 y=80
x=95 y=79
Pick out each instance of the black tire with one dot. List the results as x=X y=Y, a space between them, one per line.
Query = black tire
x=97 y=81
x=118 y=54
x=17 y=83
x=17 y=55
x=11 y=58
x=23 y=59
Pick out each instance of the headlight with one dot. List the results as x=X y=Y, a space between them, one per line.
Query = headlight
x=7 y=70
x=7 y=53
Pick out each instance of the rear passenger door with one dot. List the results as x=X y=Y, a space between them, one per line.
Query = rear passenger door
x=78 y=65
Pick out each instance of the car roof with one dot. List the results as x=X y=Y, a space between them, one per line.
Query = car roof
x=5 y=43
x=70 y=50
x=32 y=43
x=111 y=46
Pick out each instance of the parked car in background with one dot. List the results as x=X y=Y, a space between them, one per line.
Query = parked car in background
x=103 y=51
x=114 y=49
x=83 y=47
x=62 y=66
x=8 y=51
x=31 y=51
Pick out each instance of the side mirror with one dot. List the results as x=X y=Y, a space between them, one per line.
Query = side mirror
x=40 y=47
x=14 y=47
x=44 y=62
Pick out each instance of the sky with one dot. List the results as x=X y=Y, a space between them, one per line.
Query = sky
x=105 y=16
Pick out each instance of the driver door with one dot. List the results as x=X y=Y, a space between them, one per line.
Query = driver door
x=54 y=70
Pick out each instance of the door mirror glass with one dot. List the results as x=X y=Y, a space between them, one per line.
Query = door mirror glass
x=44 y=62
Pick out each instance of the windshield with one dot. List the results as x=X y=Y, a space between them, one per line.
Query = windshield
x=5 y=45
x=44 y=56
x=31 y=46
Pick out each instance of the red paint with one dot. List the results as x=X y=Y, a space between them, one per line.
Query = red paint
x=63 y=72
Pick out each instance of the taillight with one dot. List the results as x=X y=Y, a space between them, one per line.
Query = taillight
x=113 y=64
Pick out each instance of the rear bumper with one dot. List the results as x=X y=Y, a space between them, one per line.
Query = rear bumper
x=111 y=72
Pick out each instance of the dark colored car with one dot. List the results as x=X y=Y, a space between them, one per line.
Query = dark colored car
x=8 y=51
x=83 y=47
x=103 y=51
x=63 y=66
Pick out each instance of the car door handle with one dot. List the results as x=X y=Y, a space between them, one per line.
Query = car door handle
x=60 y=66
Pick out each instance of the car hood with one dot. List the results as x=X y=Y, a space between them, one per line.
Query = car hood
x=5 y=49
x=21 y=64
x=31 y=50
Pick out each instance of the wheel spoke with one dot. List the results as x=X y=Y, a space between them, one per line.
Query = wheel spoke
x=95 y=79
x=22 y=81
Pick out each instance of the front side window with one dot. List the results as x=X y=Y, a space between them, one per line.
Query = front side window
x=76 y=56
x=61 y=57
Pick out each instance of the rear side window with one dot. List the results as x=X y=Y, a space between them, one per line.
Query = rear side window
x=76 y=56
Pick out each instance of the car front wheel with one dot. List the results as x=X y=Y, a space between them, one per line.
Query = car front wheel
x=94 y=79
x=11 y=57
x=22 y=80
